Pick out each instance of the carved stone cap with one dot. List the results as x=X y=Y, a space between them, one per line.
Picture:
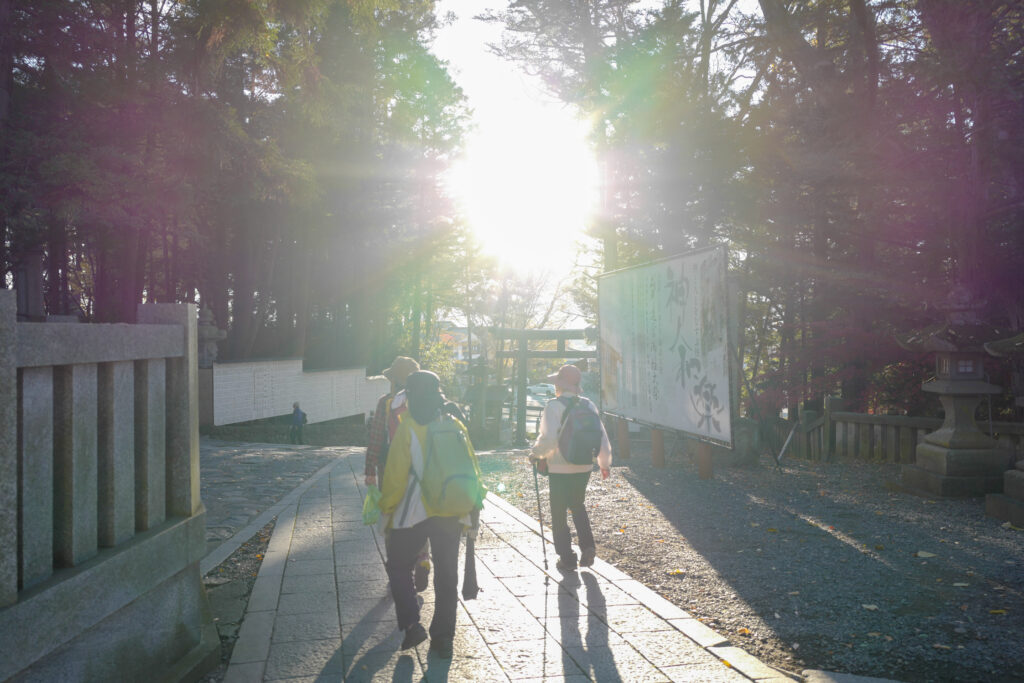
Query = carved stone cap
x=949 y=337
x=1011 y=347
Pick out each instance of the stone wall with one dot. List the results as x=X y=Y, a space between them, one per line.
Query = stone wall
x=255 y=390
x=100 y=517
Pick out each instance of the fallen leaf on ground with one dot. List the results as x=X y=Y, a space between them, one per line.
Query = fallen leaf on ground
x=961 y=585
x=772 y=531
x=924 y=553
x=939 y=646
x=870 y=608
x=997 y=611
x=744 y=631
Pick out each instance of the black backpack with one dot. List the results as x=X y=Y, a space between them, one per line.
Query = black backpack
x=580 y=434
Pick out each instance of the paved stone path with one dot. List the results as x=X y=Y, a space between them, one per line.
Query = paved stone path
x=241 y=480
x=320 y=608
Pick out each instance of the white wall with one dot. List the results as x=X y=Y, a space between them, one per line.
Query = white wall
x=261 y=389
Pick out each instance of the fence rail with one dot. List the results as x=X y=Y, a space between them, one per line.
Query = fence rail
x=876 y=438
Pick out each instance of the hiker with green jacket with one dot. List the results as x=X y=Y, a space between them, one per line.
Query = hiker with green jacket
x=410 y=497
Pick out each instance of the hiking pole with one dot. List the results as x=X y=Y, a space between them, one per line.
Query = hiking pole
x=470 y=587
x=540 y=516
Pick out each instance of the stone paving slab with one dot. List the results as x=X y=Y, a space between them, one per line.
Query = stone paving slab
x=321 y=609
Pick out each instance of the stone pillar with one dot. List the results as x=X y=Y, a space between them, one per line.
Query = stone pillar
x=150 y=443
x=75 y=472
x=35 y=449
x=116 y=453
x=182 y=408
x=8 y=451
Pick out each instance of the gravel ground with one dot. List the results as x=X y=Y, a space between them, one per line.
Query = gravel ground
x=816 y=566
x=228 y=586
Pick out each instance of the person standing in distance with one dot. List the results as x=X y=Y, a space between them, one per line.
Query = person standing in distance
x=298 y=419
x=567 y=480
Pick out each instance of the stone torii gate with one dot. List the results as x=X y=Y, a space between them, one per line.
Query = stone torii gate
x=522 y=354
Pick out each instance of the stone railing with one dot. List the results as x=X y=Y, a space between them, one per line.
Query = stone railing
x=101 y=524
x=877 y=438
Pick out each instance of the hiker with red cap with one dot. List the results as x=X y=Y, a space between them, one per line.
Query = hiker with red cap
x=570 y=439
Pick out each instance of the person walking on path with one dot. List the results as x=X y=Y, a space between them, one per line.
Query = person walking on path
x=418 y=521
x=385 y=418
x=568 y=480
x=298 y=419
x=390 y=407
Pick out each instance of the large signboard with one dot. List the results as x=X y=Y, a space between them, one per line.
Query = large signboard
x=664 y=344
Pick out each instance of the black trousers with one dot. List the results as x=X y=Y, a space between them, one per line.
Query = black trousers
x=567 y=493
x=403 y=547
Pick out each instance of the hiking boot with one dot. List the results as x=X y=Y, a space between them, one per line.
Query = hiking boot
x=441 y=647
x=566 y=564
x=421 y=575
x=587 y=557
x=414 y=635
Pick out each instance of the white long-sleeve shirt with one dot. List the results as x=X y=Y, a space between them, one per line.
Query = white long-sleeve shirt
x=546 y=446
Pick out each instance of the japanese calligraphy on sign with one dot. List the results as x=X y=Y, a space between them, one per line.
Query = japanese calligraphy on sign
x=664 y=344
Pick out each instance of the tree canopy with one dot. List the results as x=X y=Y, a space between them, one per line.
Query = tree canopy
x=858 y=158
x=280 y=163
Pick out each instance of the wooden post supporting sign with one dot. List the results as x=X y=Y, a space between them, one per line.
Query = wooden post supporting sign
x=622 y=436
x=657 y=448
x=705 y=466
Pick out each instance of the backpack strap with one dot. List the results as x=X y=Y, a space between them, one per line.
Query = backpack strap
x=414 y=448
x=569 y=405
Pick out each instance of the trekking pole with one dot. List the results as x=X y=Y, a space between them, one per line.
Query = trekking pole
x=540 y=516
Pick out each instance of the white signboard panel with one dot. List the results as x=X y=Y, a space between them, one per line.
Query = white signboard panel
x=664 y=344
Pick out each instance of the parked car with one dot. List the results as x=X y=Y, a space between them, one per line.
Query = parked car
x=542 y=390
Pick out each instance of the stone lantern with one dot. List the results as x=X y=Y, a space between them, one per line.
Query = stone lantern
x=957 y=459
x=1009 y=505
x=209 y=335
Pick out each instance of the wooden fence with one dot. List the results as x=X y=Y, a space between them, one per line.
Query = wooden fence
x=876 y=438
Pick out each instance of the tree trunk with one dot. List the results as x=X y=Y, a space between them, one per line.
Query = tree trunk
x=57 y=294
x=6 y=70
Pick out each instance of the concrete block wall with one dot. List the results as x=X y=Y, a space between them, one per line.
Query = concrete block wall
x=100 y=518
x=255 y=390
